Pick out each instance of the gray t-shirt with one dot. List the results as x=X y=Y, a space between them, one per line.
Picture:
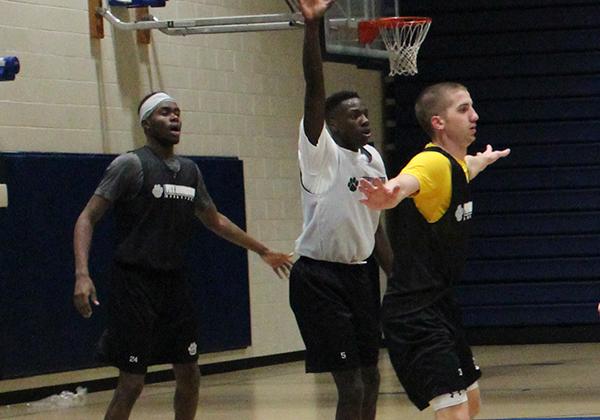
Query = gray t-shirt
x=124 y=177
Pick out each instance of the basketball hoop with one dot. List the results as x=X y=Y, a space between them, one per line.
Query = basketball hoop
x=402 y=37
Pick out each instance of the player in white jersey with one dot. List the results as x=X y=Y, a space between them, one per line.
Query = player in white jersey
x=335 y=301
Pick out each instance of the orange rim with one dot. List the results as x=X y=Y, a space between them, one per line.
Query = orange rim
x=369 y=29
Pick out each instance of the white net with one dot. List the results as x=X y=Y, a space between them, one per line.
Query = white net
x=403 y=41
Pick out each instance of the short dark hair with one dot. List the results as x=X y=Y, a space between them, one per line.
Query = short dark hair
x=332 y=102
x=433 y=100
x=146 y=97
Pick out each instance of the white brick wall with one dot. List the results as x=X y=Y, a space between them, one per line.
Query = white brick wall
x=241 y=95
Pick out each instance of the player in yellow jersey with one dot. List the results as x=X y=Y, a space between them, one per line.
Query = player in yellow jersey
x=421 y=319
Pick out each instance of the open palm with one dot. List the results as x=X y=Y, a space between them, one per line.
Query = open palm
x=314 y=9
x=379 y=196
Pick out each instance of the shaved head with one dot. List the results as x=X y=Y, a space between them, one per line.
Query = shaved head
x=433 y=100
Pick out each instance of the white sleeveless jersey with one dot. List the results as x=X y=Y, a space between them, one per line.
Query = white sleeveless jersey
x=337 y=227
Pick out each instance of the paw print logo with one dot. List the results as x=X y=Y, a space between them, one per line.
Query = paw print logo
x=353 y=184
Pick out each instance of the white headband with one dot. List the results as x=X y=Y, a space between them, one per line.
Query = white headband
x=152 y=103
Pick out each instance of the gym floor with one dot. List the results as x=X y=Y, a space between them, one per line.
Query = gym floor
x=524 y=381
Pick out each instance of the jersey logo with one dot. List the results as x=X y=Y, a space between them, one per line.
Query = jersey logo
x=464 y=211
x=157 y=191
x=177 y=192
x=353 y=184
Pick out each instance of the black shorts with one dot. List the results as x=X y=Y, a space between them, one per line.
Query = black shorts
x=428 y=350
x=151 y=320
x=337 y=310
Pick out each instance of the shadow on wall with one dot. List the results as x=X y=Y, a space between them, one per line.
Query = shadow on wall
x=132 y=85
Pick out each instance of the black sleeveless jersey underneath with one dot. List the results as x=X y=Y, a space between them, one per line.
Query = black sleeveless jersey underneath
x=430 y=257
x=154 y=227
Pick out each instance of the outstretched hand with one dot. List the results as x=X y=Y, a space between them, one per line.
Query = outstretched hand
x=280 y=263
x=490 y=156
x=313 y=10
x=379 y=196
x=481 y=160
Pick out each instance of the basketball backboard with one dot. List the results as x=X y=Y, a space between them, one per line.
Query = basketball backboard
x=341 y=27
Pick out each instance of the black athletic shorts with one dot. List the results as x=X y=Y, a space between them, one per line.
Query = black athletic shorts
x=428 y=350
x=337 y=310
x=151 y=320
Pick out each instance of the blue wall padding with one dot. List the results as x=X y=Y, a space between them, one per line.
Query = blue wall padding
x=538 y=224
x=526 y=293
x=561 y=269
x=530 y=315
x=41 y=331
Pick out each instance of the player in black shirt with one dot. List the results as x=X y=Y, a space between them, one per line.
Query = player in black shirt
x=156 y=195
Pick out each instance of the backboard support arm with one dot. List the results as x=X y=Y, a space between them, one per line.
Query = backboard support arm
x=250 y=23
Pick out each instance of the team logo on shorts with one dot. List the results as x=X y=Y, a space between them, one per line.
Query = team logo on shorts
x=458 y=394
x=192 y=349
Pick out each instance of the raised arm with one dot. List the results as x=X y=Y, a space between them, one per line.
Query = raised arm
x=482 y=160
x=82 y=239
x=314 y=99
x=226 y=229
